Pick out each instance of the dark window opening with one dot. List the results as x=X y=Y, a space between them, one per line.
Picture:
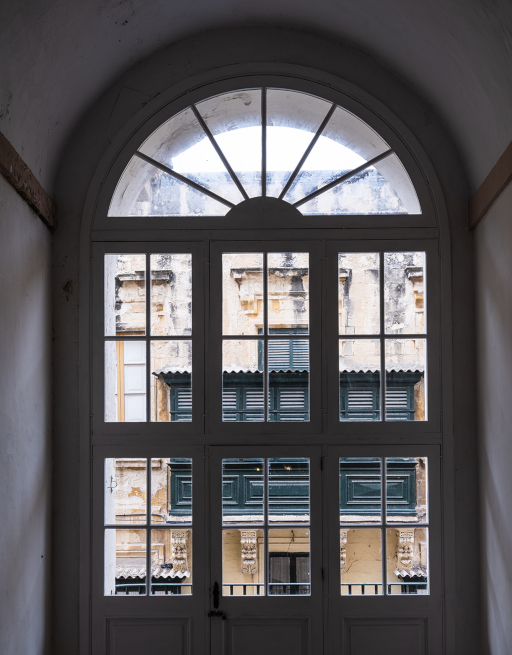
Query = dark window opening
x=288 y=574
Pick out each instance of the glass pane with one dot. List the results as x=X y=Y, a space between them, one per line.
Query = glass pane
x=125 y=294
x=288 y=379
x=242 y=490
x=242 y=293
x=367 y=192
x=171 y=562
x=361 y=562
x=171 y=490
x=346 y=143
x=405 y=380
x=234 y=119
x=407 y=490
x=144 y=190
x=125 y=562
x=360 y=490
x=125 y=381
x=125 y=490
x=407 y=561
x=404 y=293
x=243 y=563
x=242 y=381
x=171 y=295
x=292 y=121
x=359 y=364
x=397 y=179
x=288 y=490
x=181 y=144
x=171 y=381
x=289 y=562
x=359 y=292
x=288 y=292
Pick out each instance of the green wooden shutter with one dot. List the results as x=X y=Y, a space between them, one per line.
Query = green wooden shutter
x=181 y=404
x=242 y=404
x=289 y=403
x=400 y=403
x=359 y=403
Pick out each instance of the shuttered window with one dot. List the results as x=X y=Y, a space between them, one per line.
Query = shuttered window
x=286 y=403
x=289 y=404
x=181 y=404
x=359 y=404
x=289 y=354
x=400 y=403
x=362 y=403
x=242 y=404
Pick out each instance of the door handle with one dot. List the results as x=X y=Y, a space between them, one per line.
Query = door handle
x=216 y=594
x=218 y=613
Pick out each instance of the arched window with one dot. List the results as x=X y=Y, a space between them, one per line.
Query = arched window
x=278 y=143
x=264 y=372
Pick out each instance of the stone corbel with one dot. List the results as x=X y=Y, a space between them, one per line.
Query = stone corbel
x=249 y=541
x=343 y=550
x=179 y=555
x=404 y=548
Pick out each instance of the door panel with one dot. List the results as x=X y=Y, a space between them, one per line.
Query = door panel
x=141 y=636
x=149 y=545
x=266 y=550
x=384 y=550
x=266 y=635
x=392 y=636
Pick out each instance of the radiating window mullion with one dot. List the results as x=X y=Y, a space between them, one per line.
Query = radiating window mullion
x=184 y=179
x=218 y=150
x=310 y=147
x=264 y=141
x=343 y=178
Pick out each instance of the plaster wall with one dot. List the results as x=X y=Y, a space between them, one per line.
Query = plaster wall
x=58 y=56
x=25 y=428
x=493 y=247
x=106 y=125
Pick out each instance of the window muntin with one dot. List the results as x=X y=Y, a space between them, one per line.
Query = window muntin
x=379 y=295
x=265 y=527
x=376 y=493
x=148 y=376
x=162 y=545
x=265 y=294
x=280 y=143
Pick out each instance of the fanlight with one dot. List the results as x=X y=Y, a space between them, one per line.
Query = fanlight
x=278 y=143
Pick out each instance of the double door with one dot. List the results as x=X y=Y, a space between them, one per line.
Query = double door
x=235 y=550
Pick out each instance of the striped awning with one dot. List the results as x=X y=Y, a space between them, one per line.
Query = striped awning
x=415 y=571
x=157 y=571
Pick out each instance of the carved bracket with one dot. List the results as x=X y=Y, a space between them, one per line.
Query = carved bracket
x=343 y=550
x=179 y=556
x=404 y=548
x=249 y=540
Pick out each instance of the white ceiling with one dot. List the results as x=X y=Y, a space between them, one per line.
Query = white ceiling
x=59 y=55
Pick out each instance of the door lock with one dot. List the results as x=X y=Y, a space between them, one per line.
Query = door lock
x=216 y=594
x=217 y=613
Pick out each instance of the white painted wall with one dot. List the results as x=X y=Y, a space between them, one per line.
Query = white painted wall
x=25 y=428
x=493 y=250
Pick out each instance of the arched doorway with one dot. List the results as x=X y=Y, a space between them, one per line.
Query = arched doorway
x=268 y=263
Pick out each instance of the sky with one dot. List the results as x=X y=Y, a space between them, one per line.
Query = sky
x=285 y=147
